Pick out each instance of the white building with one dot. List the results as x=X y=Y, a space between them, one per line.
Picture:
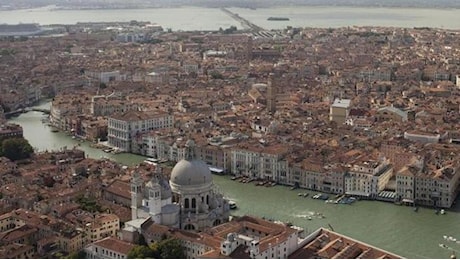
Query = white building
x=368 y=178
x=123 y=128
x=261 y=162
x=339 y=110
x=190 y=201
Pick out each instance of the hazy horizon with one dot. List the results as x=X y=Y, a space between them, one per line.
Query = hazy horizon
x=14 y=4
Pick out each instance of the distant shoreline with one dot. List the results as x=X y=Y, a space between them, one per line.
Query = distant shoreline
x=86 y=8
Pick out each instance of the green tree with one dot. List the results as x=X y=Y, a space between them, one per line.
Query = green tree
x=171 y=249
x=76 y=255
x=140 y=252
x=16 y=149
x=216 y=75
x=89 y=204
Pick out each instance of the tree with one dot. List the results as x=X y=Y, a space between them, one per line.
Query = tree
x=140 y=252
x=216 y=75
x=16 y=149
x=171 y=249
x=76 y=255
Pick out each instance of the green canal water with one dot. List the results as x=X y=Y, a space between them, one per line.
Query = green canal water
x=394 y=228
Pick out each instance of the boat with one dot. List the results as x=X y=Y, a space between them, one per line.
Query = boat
x=116 y=151
x=305 y=195
x=277 y=18
x=299 y=194
x=54 y=130
x=233 y=178
x=292 y=188
x=415 y=209
x=309 y=218
x=442 y=212
x=154 y=160
x=232 y=204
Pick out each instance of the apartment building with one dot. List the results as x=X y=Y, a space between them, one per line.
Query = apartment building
x=103 y=225
x=124 y=128
x=71 y=241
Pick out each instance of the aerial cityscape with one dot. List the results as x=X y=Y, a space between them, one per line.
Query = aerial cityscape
x=229 y=129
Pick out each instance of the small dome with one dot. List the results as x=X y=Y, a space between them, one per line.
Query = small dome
x=160 y=184
x=191 y=172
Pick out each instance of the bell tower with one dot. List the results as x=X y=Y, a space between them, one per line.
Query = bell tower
x=154 y=193
x=136 y=194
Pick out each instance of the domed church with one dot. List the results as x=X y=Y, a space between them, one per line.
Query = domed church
x=189 y=201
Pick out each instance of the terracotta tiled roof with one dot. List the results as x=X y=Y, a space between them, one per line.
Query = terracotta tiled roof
x=115 y=245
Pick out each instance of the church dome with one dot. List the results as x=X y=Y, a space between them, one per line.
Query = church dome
x=191 y=172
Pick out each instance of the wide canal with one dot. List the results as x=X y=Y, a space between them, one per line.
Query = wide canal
x=394 y=228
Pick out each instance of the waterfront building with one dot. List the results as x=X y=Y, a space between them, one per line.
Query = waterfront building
x=124 y=128
x=10 y=131
x=190 y=201
x=367 y=177
x=108 y=248
x=339 y=110
x=312 y=175
x=260 y=160
x=61 y=109
x=405 y=184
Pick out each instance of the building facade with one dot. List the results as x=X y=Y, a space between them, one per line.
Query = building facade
x=124 y=128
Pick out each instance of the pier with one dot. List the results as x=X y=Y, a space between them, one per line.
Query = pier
x=245 y=23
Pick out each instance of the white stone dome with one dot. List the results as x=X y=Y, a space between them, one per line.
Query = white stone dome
x=191 y=172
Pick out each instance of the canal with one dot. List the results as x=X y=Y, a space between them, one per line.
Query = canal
x=394 y=228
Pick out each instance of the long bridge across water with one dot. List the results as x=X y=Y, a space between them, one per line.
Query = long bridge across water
x=245 y=23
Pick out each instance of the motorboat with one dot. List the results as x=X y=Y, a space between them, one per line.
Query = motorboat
x=442 y=212
x=232 y=204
